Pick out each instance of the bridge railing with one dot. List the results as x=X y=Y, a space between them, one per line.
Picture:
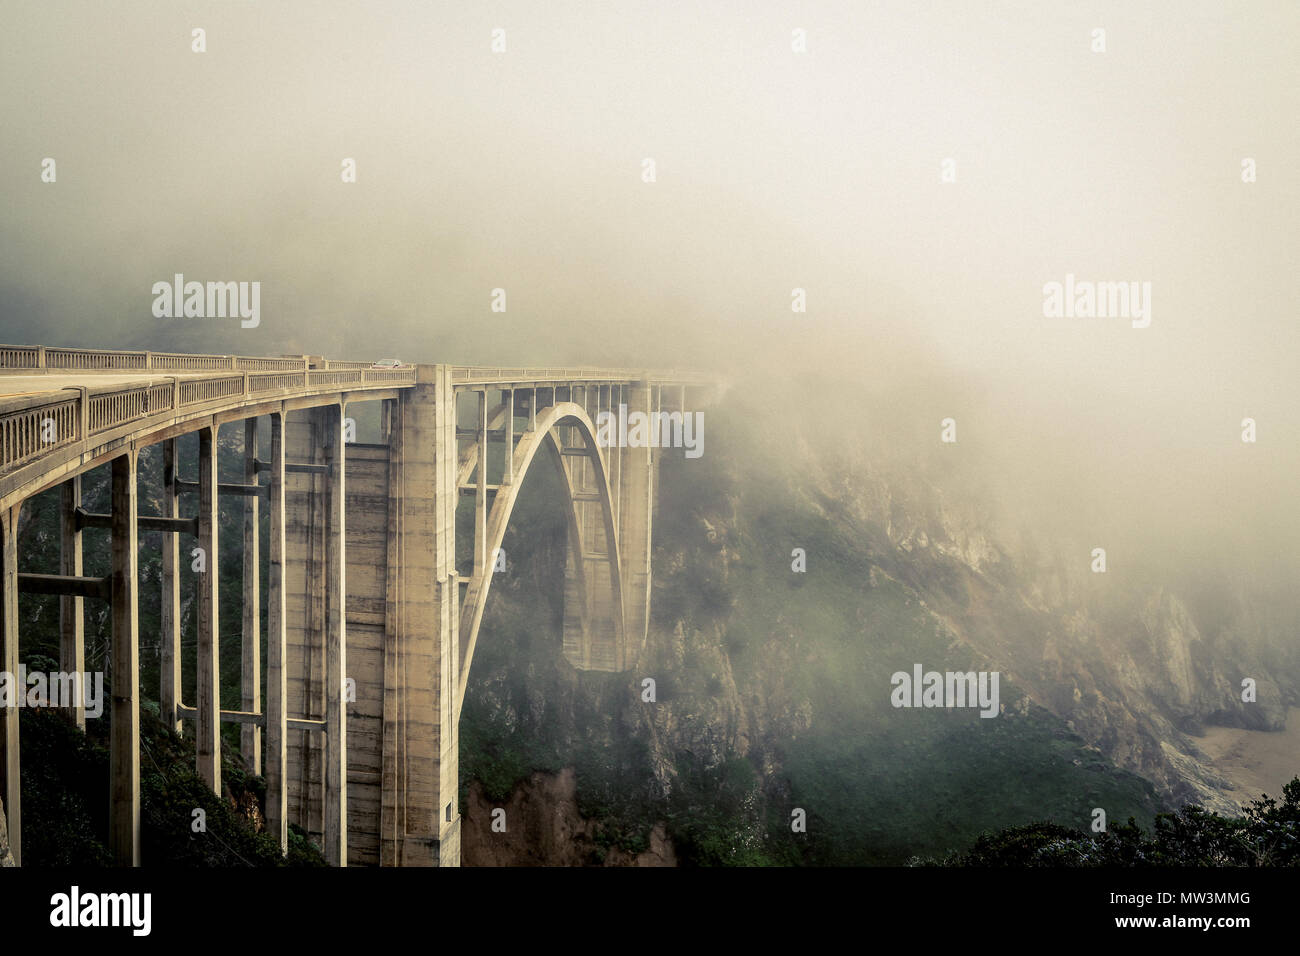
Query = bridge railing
x=491 y=375
x=484 y=373
x=28 y=431
x=388 y=375
x=34 y=425
x=44 y=358
x=19 y=356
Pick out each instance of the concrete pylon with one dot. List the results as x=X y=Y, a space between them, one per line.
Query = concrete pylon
x=420 y=820
x=315 y=584
x=277 y=798
x=636 y=494
x=250 y=735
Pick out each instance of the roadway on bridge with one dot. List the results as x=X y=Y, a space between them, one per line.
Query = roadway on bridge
x=17 y=385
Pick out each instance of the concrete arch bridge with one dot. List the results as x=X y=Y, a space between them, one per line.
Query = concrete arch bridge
x=364 y=596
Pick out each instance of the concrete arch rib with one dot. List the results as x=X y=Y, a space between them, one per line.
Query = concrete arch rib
x=556 y=416
x=576 y=551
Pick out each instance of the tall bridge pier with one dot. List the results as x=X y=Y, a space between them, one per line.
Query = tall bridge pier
x=371 y=625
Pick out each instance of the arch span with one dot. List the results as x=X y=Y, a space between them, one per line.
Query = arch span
x=599 y=607
x=361 y=576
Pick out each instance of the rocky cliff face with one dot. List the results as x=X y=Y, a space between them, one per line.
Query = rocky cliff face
x=772 y=684
x=1134 y=670
x=540 y=825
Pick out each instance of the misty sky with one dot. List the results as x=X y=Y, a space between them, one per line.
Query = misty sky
x=775 y=170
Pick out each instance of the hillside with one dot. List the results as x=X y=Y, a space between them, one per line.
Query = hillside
x=773 y=687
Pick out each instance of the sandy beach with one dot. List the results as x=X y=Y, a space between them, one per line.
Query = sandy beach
x=1256 y=761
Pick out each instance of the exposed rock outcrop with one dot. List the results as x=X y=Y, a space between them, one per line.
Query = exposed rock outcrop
x=541 y=826
x=6 y=856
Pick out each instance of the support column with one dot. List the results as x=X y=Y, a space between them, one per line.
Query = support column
x=508 y=474
x=124 y=741
x=306 y=615
x=209 y=673
x=616 y=456
x=72 y=633
x=336 y=746
x=170 y=636
x=10 y=775
x=420 y=822
x=480 y=492
x=250 y=735
x=635 y=493
x=658 y=392
x=277 y=797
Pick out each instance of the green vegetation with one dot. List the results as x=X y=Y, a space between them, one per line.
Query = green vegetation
x=65 y=771
x=1267 y=834
x=65 y=807
x=807 y=657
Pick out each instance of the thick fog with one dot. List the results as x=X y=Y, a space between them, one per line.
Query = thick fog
x=782 y=160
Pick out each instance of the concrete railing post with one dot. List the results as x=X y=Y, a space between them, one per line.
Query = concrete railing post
x=83 y=410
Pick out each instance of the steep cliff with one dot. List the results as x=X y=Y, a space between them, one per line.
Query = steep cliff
x=772 y=684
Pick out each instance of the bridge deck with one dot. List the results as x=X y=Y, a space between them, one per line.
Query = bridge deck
x=20 y=385
x=57 y=404
x=363 y=577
